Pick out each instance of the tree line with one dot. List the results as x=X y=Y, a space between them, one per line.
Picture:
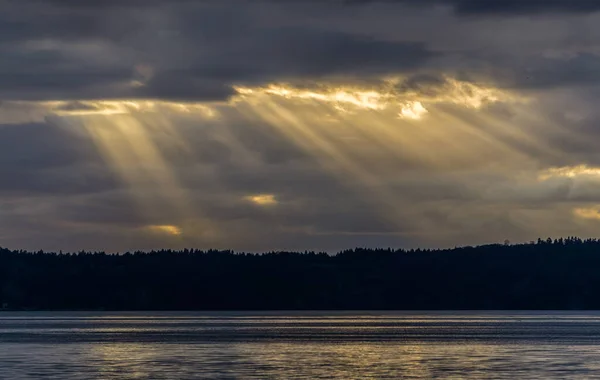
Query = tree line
x=560 y=274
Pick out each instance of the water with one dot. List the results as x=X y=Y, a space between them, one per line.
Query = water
x=299 y=345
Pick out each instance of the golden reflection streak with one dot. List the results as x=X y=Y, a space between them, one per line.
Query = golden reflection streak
x=344 y=360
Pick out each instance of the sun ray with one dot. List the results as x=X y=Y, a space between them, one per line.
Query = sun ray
x=366 y=137
x=126 y=143
x=309 y=134
x=510 y=136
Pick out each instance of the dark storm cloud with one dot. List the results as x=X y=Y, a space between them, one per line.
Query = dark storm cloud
x=180 y=85
x=45 y=159
x=501 y=6
x=197 y=52
x=524 y=6
x=526 y=71
x=64 y=49
x=108 y=3
x=581 y=69
x=24 y=20
x=314 y=53
x=286 y=54
x=427 y=84
x=277 y=55
x=48 y=147
x=463 y=6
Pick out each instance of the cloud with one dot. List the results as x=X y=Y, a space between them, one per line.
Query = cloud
x=461 y=6
x=500 y=6
x=181 y=51
x=522 y=6
x=43 y=159
x=54 y=53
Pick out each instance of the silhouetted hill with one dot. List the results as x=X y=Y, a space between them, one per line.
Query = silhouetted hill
x=560 y=274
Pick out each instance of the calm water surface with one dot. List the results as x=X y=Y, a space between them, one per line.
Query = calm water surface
x=299 y=345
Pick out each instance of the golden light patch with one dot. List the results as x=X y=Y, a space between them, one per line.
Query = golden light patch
x=165 y=229
x=588 y=213
x=262 y=199
x=413 y=110
x=569 y=172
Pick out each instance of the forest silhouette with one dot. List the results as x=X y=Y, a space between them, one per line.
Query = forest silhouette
x=561 y=274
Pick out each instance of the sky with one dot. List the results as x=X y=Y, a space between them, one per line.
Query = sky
x=260 y=125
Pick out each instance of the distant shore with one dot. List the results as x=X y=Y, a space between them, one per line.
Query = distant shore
x=560 y=274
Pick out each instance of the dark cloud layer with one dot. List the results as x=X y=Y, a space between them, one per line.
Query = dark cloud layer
x=462 y=6
x=501 y=6
x=46 y=160
x=198 y=50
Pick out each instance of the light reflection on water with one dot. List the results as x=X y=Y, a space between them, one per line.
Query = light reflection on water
x=299 y=345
